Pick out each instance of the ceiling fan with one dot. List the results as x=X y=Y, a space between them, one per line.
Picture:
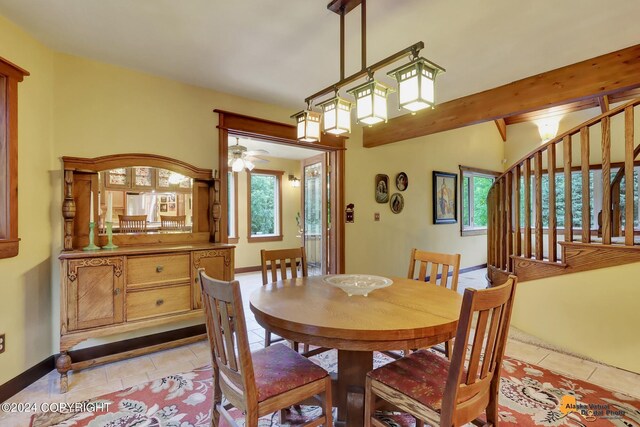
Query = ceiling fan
x=241 y=158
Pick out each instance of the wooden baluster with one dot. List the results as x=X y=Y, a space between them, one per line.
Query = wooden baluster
x=606 y=181
x=496 y=234
x=628 y=176
x=503 y=230
x=584 y=168
x=552 y=233
x=568 y=214
x=500 y=224
x=516 y=210
x=527 y=208
x=508 y=222
x=538 y=203
x=490 y=227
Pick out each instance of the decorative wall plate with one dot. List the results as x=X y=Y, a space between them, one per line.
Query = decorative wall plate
x=358 y=284
x=402 y=181
x=382 y=188
x=396 y=203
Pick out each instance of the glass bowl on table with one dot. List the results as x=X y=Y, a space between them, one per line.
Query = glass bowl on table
x=358 y=284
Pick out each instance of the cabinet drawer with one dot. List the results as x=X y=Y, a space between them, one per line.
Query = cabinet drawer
x=156 y=269
x=158 y=302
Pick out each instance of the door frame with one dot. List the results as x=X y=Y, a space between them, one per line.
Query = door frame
x=326 y=234
x=282 y=133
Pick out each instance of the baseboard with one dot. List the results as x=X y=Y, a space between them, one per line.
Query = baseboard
x=36 y=372
x=135 y=343
x=461 y=271
x=25 y=379
x=247 y=269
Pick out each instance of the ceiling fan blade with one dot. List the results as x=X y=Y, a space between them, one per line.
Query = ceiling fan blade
x=256 y=152
x=256 y=159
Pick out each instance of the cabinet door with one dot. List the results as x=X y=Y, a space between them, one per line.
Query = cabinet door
x=217 y=263
x=95 y=292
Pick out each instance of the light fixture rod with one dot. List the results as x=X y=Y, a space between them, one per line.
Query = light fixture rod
x=342 y=43
x=415 y=48
x=363 y=32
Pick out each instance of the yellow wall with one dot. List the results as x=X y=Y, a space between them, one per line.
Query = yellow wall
x=26 y=304
x=383 y=247
x=248 y=254
x=593 y=313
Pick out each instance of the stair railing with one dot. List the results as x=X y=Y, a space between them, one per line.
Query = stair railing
x=509 y=236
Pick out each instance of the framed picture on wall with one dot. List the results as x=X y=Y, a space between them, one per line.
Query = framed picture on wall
x=163 y=207
x=445 y=197
x=382 y=188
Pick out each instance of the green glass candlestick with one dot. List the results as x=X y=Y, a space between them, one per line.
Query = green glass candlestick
x=110 y=244
x=91 y=246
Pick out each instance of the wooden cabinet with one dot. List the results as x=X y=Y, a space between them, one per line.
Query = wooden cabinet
x=95 y=292
x=216 y=264
x=130 y=288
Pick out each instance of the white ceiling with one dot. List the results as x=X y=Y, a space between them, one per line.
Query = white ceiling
x=281 y=51
x=280 y=151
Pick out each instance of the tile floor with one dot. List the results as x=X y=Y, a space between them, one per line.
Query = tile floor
x=104 y=379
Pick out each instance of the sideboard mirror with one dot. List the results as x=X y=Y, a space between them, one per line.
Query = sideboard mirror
x=147 y=199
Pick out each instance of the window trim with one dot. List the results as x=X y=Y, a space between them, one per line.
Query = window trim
x=475 y=231
x=234 y=238
x=11 y=75
x=270 y=238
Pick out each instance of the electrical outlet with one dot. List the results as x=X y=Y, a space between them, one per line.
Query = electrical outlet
x=3 y=343
x=376 y=216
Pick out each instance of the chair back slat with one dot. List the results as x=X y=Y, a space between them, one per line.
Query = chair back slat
x=278 y=259
x=172 y=222
x=490 y=329
x=227 y=333
x=449 y=262
x=132 y=223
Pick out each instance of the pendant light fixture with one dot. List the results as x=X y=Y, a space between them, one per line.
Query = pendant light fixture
x=416 y=86
x=371 y=102
x=308 y=125
x=336 y=115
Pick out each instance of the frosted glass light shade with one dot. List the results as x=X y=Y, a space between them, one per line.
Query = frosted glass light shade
x=308 y=125
x=336 y=116
x=416 y=89
x=237 y=165
x=371 y=102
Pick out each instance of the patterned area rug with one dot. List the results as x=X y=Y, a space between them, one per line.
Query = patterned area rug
x=529 y=395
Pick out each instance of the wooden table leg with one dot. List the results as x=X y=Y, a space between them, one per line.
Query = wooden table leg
x=352 y=370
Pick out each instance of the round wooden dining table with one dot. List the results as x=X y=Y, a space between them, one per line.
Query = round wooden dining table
x=407 y=314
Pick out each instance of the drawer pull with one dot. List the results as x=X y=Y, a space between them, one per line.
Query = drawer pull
x=116 y=291
x=159 y=269
x=159 y=302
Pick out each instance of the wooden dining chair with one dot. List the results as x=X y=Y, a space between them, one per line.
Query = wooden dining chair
x=440 y=265
x=172 y=222
x=260 y=383
x=132 y=223
x=276 y=261
x=451 y=393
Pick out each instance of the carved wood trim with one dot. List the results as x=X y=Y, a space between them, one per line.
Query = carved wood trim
x=74 y=265
x=197 y=256
x=113 y=161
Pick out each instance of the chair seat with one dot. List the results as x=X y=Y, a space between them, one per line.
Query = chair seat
x=422 y=376
x=278 y=369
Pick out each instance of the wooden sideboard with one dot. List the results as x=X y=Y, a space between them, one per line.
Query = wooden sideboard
x=151 y=278
x=113 y=291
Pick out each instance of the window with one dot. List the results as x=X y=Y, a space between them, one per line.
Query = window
x=10 y=75
x=475 y=185
x=232 y=207
x=264 y=190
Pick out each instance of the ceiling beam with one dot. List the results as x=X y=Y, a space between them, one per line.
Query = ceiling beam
x=502 y=128
x=598 y=76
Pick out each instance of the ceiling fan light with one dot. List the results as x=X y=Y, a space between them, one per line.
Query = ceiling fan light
x=237 y=165
x=249 y=165
x=416 y=89
x=308 y=125
x=371 y=102
x=336 y=115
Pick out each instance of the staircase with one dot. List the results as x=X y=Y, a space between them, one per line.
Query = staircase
x=563 y=207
